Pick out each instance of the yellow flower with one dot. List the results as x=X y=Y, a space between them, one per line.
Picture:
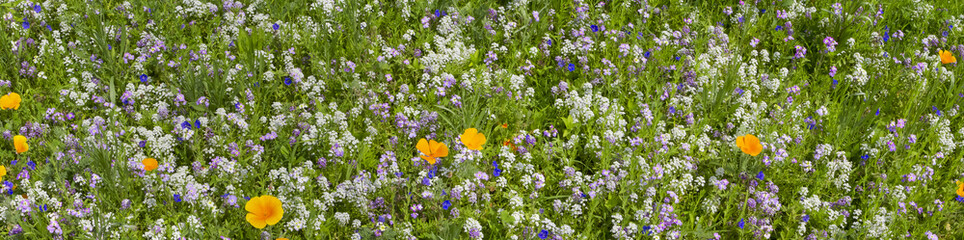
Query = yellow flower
x=947 y=57
x=263 y=210
x=20 y=144
x=3 y=171
x=960 y=188
x=432 y=150
x=282 y=239
x=472 y=139
x=749 y=144
x=10 y=101
x=149 y=164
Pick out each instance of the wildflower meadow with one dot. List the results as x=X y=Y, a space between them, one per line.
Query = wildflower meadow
x=516 y=119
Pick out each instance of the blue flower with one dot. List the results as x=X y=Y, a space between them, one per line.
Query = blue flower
x=806 y=218
x=878 y=112
x=177 y=198
x=865 y=157
x=36 y=8
x=760 y=175
x=762 y=11
x=543 y=234
x=497 y=172
x=646 y=229
x=835 y=83
x=741 y=223
x=446 y=204
x=142 y=143
x=9 y=186
x=495 y=164
x=647 y=54
x=197 y=124
x=144 y=78
x=275 y=26
x=288 y=81
x=572 y=67
x=32 y=165
x=594 y=28
x=186 y=125
x=778 y=28
x=26 y=24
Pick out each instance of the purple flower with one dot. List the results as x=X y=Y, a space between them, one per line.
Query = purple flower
x=26 y=24
x=806 y=218
x=543 y=234
x=186 y=125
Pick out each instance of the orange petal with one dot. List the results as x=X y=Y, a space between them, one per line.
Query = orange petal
x=739 y=141
x=423 y=147
x=255 y=221
x=440 y=150
x=275 y=211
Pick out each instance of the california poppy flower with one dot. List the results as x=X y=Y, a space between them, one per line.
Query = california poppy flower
x=149 y=164
x=505 y=125
x=749 y=144
x=3 y=171
x=20 y=144
x=960 y=188
x=263 y=210
x=282 y=239
x=10 y=101
x=432 y=150
x=947 y=57
x=472 y=139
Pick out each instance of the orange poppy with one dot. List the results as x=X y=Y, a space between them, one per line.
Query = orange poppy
x=149 y=164
x=947 y=57
x=20 y=144
x=263 y=210
x=472 y=139
x=431 y=150
x=749 y=144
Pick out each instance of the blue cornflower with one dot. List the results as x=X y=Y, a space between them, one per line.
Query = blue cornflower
x=741 y=223
x=543 y=234
x=144 y=78
x=275 y=26
x=446 y=204
x=177 y=198
x=594 y=28
x=186 y=125
x=572 y=67
x=197 y=124
x=288 y=81
x=760 y=175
